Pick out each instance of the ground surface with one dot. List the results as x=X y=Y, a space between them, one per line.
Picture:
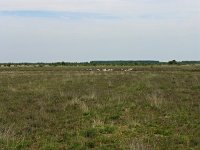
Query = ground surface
x=152 y=107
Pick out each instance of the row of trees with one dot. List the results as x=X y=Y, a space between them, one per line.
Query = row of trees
x=148 y=62
x=96 y=63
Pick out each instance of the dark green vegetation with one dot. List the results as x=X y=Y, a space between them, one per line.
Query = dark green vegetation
x=152 y=107
x=105 y=63
x=147 y=62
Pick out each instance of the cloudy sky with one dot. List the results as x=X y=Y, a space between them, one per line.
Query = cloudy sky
x=84 y=30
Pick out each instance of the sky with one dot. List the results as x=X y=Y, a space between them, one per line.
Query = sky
x=85 y=30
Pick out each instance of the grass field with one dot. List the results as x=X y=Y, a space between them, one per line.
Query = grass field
x=143 y=108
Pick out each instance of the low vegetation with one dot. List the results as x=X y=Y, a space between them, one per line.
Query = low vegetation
x=125 y=108
x=101 y=63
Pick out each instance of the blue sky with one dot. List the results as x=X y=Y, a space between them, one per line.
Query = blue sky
x=84 y=30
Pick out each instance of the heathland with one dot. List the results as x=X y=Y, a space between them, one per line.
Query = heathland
x=114 y=107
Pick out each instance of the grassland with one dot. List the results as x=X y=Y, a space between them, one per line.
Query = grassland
x=147 y=108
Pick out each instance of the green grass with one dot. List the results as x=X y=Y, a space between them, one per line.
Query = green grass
x=150 y=107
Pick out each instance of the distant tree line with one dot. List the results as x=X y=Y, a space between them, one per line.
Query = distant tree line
x=140 y=62
x=174 y=62
x=102 y=63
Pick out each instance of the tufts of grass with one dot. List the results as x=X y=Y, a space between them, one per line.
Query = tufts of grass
x=9 y=140
x=156 y=100
x=78 y=104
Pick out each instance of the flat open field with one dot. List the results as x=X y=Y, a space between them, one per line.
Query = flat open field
x=125 y=108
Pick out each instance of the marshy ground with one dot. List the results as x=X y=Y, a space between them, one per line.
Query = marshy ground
x=121 y=108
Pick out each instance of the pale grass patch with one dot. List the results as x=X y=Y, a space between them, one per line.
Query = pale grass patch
x=8 y=137
x=78 y=103
x=90 y=96
x=148 y=84
x=93 y=95
x=134 y=123
x=84 y=107
x=7 y=134
x=61 y=93
x=120 y=99
x=120 y=72
x=12 y=89
x=196 y=80
x=97 y=123
x=148 y=118
x=38 y=89
x=42 y=110
x=110 y=84
x=155 y=99
x=92 y=72
x=137 y=145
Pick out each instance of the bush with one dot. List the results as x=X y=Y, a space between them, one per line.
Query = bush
x=173 y=62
